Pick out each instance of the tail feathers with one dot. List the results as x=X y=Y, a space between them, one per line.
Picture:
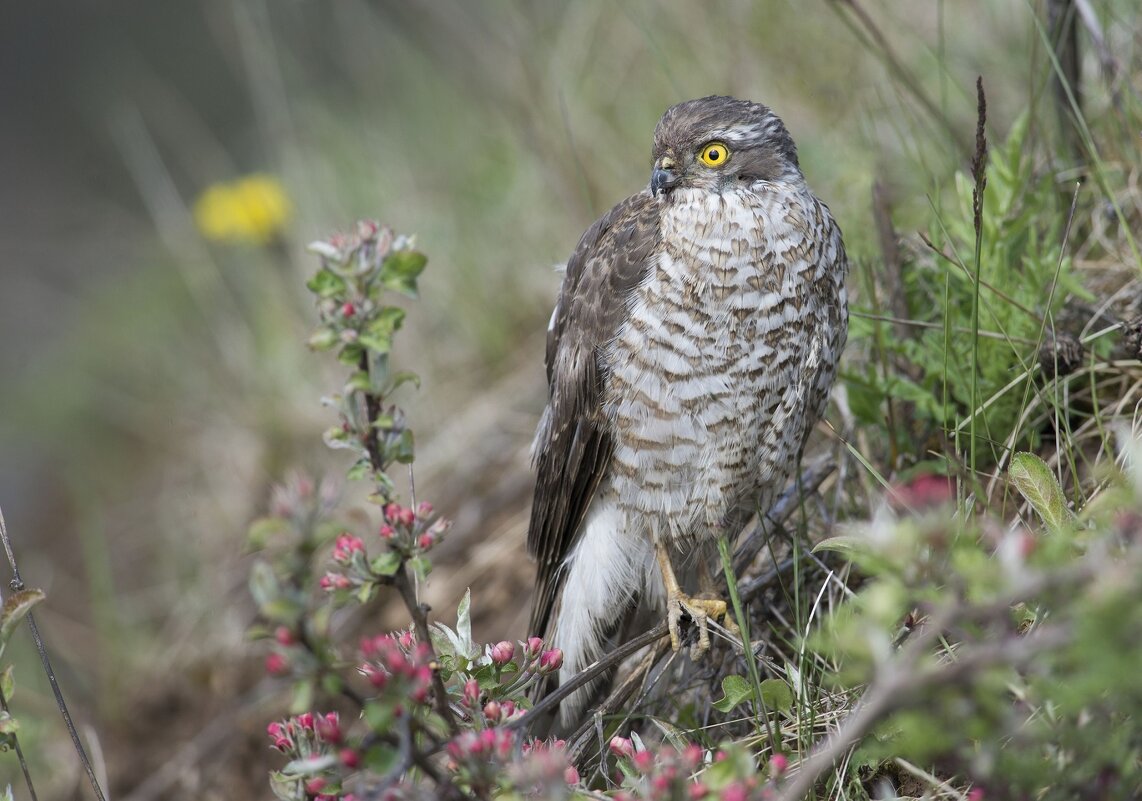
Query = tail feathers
x=608 y=572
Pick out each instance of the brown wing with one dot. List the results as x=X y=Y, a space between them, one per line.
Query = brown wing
x=573 y=446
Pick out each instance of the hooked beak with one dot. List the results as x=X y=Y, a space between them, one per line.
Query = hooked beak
x=663 y=177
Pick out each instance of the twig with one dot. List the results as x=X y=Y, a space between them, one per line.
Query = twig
x=17 y=585
x=419 y=614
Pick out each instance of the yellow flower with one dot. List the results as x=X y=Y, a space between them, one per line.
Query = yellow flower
x=250 y=209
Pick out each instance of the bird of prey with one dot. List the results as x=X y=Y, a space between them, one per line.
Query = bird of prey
x=690 y=353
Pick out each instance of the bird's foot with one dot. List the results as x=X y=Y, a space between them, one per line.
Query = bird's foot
x=699 y=609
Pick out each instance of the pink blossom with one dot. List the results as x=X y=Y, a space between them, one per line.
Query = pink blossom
x=345 y=546
x=643 y=761
x=975 y=794
x=406 y=517
x=550 y=661
x=387 y=532
x=571 y=775
x=305 y=720
x=426 y=541
x=424 y=510
x=392 y=512
x=533 y=648
x=328 y=727
x=692 y=756
x=284 y=636
x=349 y=758
x=471 y=692
x=492 y=711
x=315 y=785
x=276 y=664
x=502 y=653
x=777 y=765
x=735 y=792
x=698 y=791
x=348 y=309
x=621 y=746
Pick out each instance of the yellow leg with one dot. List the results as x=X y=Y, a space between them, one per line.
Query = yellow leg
x=699 y=609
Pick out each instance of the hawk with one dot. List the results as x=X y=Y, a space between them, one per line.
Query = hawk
x=690 y=353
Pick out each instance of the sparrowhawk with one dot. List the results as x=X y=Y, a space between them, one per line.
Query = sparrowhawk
x=690 y=353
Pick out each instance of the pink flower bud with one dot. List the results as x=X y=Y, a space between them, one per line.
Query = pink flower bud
x=643 y=761
x=387 y=532
x=777 y=765
x=350 y=759
x=698 y=791
x=533 y=648
x=406 y=517
x=471 y=692
x=550 y=661
x=315 y=785
x=305 y=720
x=424 y=510
x=692 y=756
x=348 y=309
x=425 y=541
x=509 y=709
x=392 y=512
x=345 y=546
x=621 y=746
x=284 y=636
x=276 y=664
x=735 y=792
x=328 y=728
x=975 y=794
x=502 y=653
x=492 y=711
x=660 y=784
x=406 y=640
x=571 y=775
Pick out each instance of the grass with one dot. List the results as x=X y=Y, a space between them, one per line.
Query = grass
x=182 y=392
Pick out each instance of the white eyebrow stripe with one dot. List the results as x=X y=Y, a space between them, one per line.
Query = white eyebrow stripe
x=737 y=133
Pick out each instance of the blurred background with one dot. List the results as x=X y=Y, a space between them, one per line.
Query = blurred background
x=155 y=380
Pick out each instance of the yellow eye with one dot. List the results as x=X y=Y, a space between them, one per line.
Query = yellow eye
x=714 y=154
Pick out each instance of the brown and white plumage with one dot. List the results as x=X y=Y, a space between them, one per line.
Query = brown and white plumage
x=690 y=353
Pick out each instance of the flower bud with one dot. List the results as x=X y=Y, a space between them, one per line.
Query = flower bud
x=349 y=758
x=502 y=653
x=424 y=510
x=315 y=785
x=621 y=746
x=392 y=512
x=777 y=765
x=406 y=516
x=550 y=661
x=571 y=775
x=387 y=532
x=425 y=541
x=328 y=728
x=492 y=711
x=533 y=648
x=471 y=692
x=348 y=309
x=305 y=720
x=284 y=636
x=276 y=664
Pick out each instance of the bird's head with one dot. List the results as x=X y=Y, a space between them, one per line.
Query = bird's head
x=721 y=145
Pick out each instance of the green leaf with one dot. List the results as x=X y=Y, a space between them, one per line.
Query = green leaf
x=403 y=377
x=400 y=270
x=420 y=566
x=323 y=339
x=350 y=355
x=386 y=564
x=735 y=689
x=15 y=609
x=7 y=683
x=264 y=586
x=845 y=544
x=776 y=695
x=8 y=724
x=466 y=647
x=361 y=469
x=326 y=283
x=404 y=451
x=1035 y=482
x=302 y=701
x=262 y=529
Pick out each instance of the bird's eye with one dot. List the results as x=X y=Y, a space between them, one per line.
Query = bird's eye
x=714 y=154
